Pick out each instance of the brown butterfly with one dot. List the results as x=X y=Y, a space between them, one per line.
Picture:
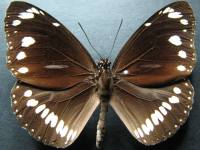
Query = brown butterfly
x=60 y=85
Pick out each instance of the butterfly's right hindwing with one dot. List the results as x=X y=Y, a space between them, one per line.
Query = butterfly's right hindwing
x=54 y=117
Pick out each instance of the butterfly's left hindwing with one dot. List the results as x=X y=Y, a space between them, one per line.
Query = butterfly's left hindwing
x=54 y=117
x=41 y=51
x=152 y=114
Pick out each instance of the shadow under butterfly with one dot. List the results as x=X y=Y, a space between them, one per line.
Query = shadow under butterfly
x=60 y=86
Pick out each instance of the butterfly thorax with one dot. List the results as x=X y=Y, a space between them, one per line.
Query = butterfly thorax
x=104 y=82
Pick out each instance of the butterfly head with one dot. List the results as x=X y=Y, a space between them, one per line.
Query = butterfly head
x=104 y=63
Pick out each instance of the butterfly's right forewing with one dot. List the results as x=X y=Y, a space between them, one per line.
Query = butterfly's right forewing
x=41 y=51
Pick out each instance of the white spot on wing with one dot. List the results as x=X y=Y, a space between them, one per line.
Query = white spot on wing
x=73 y=135
x=154 y=119
x=28 y=93
x=45 y=113
x=184 y=30
x=163 y=110
x=41 y=12
x=64 y=131
x=32 y=102
x=40 y=108
x=174 y=99
x=23 y=70
x=182 y=54
x=166 y=105
x=56 y=24
x=16 y=22
x=147 y=24
x=35 y=10
x=27 y=41
x=59 y=126
x=137 y=134
x=177 y=90
x=181 y=68
x=166 y=10
x=49 y=117
x=21 y=55
x=175 y=15
x=56 y=66
x=140 y=132
x=26 y=15
x=159 y=115
x=184 y=21
x=69 y=135
x=175 y=39
x=149 y=124
x=54 y=121
x=171 y=10
x=125 y=71
x=29 y=10
x=145 y=129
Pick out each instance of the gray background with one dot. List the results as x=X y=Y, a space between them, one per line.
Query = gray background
x=100 y=19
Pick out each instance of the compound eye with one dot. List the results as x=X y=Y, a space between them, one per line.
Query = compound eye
x=109 y=61
x=100 y=62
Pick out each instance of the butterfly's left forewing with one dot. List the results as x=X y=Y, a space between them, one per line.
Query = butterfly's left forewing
x=162 y=50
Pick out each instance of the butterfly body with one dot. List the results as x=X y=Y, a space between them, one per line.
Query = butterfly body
x=104 y=84
x=60 y=85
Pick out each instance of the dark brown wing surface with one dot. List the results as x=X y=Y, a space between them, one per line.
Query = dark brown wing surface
x=161 y=50
x=146 y=95
x=46 y=57
x=152 y=114
x=54 y=117
x=41 y=51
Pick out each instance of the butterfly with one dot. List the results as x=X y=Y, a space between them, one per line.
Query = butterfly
x=59 y=85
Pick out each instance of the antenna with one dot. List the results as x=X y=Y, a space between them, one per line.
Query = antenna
x=89 y=40
x=115 y=37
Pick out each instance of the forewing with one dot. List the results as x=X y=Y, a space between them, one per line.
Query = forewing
x=152 y=114
x=41 y=51
x=54 y=117
x=161 y=50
